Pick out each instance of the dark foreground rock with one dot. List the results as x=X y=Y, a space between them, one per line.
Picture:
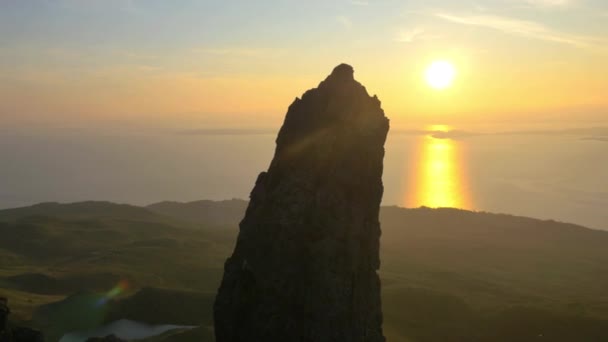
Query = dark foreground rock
x=305 y=264
x=15 y=334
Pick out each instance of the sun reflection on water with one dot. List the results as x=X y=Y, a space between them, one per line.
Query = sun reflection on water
x=439 y=179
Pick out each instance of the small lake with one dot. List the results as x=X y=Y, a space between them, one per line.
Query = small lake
x=124 y=329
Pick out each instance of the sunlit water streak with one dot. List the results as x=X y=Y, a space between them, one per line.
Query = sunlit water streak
x=439 y=177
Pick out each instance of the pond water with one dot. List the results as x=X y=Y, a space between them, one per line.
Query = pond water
x=125 y=329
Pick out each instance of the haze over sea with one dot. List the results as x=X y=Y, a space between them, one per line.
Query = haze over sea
x=537 y=171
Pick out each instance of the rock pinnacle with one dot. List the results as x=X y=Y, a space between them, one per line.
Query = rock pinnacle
x=305 y=264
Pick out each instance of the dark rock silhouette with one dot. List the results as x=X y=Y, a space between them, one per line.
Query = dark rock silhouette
x=4 y=312
x=305 y=264
x=15 y=334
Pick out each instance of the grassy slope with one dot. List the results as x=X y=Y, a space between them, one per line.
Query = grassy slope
x=497 y=260
x=219 y=213
x=447 y=274
x=146 y=250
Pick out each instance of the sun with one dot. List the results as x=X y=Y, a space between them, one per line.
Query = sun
x=440 y=74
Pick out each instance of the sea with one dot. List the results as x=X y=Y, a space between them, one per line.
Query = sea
x=558 y=173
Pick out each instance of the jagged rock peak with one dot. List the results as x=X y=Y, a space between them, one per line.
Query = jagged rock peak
x=305 y=264
x=342 y=81
x=339 y=100
x=343 y=72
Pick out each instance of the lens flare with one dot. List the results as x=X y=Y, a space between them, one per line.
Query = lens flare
x=116 y=291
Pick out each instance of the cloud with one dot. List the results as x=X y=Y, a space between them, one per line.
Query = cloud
x=236 y=51
x=344 y=21
x=595 y=132
x=589 y=133
x=585 y=133
x=550 y=3
x=359 y=3
x=453 y=135
x=602 y=139
x=437 y=134
x=528 y=29
x=227 y=131
x=409 y=132
x=409 y=36
x=129 y=6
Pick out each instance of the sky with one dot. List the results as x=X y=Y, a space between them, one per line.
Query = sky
x=137 y=101
x=239 y=64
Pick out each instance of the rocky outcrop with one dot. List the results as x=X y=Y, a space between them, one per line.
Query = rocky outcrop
x=305 y=264
x=10 y=333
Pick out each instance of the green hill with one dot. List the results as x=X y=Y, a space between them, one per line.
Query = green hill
x=78 y=210
x=229 y=212
x=454 y=275
x=496 y=260
x=43 y=257
x=448 y=275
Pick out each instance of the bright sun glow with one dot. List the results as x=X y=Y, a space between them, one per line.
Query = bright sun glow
x=440 y=179
x=440 y=74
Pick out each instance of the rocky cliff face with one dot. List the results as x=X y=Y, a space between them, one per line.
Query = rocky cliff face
x=10 y=333
x=305 y=264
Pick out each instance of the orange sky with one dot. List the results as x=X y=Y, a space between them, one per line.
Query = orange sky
x=512 y=60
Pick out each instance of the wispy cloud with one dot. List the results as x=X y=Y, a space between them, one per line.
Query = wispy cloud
x=601 y=139
x=237 y=51
x=345 y=21
x=528 y=29
x=550 y=3
x=408 y=36
x=227 y=131
x=584 y=133
x=452 y=134
x=412 y=35
x=129 y=6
